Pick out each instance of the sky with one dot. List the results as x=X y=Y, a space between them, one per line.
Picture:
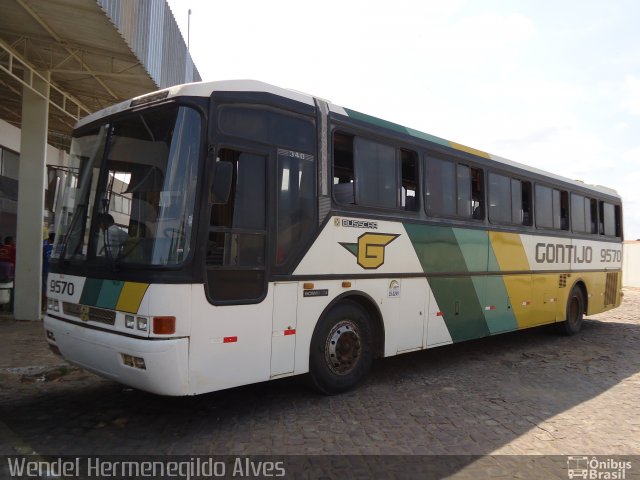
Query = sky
x=553 y=84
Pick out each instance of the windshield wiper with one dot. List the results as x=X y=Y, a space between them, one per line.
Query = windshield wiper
x=72 y=226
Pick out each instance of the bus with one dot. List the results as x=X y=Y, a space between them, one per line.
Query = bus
x=219 y=234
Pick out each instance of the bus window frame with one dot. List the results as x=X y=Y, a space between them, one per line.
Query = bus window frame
x=249 y=148
x=522 y=179
x=342 y=128
x=456 y=160
x=617 y=212
x=189 y=269
x=587 y=233
x=219 y=140
x=567 y=231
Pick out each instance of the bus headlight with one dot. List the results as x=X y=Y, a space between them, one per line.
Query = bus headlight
x=143 y=323
x=53 y=304
x=129 y=321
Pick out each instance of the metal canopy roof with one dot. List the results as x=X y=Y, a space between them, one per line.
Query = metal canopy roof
x=76 y=47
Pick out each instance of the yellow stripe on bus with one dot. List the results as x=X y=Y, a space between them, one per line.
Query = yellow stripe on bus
x=464 y=148
x=131 y=297
x=509 y=252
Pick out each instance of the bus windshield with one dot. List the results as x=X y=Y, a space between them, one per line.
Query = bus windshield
x=131 y=197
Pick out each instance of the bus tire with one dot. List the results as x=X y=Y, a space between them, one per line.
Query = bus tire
x=575 y=312
x=341 y=349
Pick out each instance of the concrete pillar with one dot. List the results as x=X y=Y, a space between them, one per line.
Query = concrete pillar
x=31 y=184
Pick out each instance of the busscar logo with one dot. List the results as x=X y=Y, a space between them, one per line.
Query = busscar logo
x=370 y=249
x=352 y=223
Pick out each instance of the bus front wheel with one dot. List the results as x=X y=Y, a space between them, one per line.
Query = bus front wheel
x=341 y=349
x=575 y=312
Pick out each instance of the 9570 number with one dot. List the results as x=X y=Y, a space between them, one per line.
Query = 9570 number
x=608 y=255
x=64 y=288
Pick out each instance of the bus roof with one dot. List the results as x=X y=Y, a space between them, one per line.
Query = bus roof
x=205 y=89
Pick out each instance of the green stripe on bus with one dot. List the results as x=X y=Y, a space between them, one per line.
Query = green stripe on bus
x=91 y=291
x=458 y=300
x=437 y=248
x=473 y=245
x=109 y=294
x=430 y=138
x=363 y=117
x=496 y=310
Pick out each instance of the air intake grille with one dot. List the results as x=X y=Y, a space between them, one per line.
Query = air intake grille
x=85 y=313
x=72 y=309
x=611 y=289
x=562 y=283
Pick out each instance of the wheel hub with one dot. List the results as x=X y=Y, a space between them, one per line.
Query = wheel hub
x=343 y=347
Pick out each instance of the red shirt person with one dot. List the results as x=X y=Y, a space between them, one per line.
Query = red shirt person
x=8 y=252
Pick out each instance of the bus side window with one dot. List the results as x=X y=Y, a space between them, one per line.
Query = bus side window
x=527 y=218
x=470 y=192
x=343 y=178
x=477 y=194
x=440 y=184
x=584 y=214
x=618 y=220
x=552 y=208
x=501 y=199
x=564 y=210
x=578 y=216
x=409 y=187
x=295 y=207
x=376 y=173
x=610 y=220
x=464 y=198
x=593 y=208
x=509 y=200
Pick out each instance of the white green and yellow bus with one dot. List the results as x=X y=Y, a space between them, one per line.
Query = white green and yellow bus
x=220 y=234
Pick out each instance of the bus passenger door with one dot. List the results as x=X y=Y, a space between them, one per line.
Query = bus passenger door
x=283 y=339
x=236 y=246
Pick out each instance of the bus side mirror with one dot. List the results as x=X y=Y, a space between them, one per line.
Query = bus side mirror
x=221 y=186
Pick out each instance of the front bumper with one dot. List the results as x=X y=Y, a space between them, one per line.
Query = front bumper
x=166 y=361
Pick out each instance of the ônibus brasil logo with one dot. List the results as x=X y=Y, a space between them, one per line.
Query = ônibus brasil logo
x=370 y=248
x=597 y=468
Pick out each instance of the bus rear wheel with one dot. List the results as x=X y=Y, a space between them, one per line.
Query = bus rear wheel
x=341 y=349
x=575 y=312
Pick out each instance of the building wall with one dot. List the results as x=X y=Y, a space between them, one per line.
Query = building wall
x=151 y=31
x=10 y=139
x=10 y=142
x=631 y=264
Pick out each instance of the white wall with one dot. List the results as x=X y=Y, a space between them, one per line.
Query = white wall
x=10 y=139
x=631 y=264
x=9 y=136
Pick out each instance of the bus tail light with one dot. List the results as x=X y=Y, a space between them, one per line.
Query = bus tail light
x=164 y=325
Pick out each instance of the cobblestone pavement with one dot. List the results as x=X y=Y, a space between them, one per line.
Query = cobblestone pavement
x=530 y=392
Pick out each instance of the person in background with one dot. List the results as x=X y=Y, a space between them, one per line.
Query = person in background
x=47 y=247
x=8 y=254
x=110 y=236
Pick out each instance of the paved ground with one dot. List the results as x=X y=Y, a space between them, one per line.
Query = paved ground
x=531 y=392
